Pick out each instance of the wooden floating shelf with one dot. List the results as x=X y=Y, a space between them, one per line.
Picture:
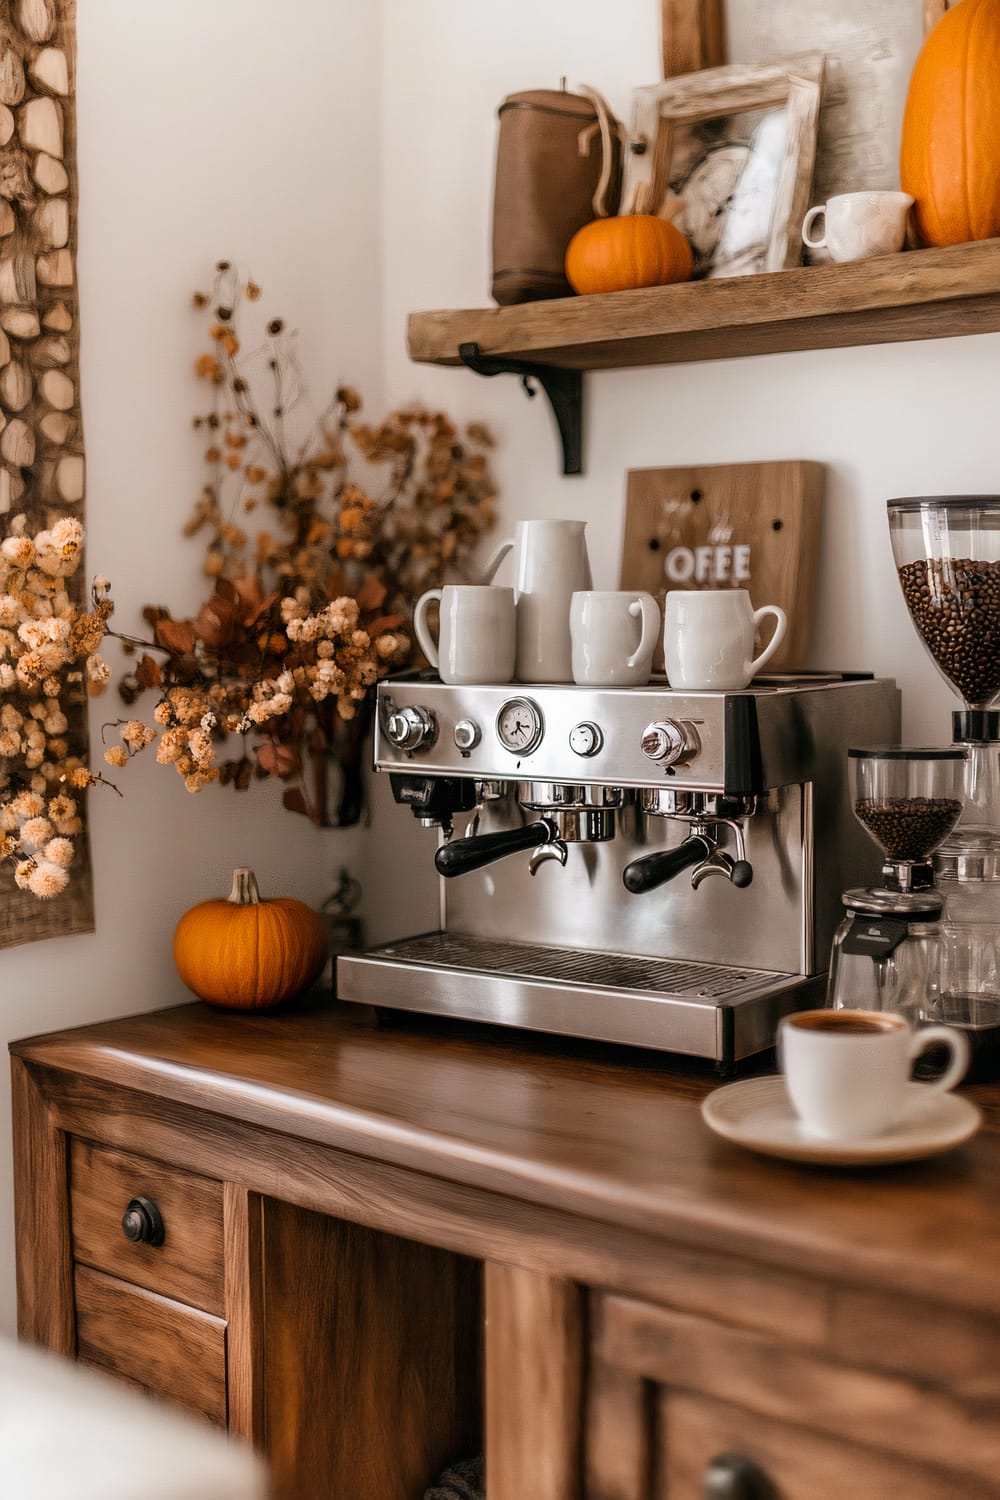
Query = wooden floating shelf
x=923 y=294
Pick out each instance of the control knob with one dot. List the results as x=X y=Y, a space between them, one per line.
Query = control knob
x=467 y=735
x=669 y=741
x=586 y=738
x=410 y=728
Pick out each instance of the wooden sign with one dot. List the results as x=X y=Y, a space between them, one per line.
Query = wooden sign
x=746 y=526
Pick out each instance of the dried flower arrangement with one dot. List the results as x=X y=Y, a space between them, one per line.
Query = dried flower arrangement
x=305 y=614
x=48 y=651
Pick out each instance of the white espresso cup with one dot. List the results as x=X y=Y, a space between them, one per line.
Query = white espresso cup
x=613 y=635
x=860 y=224
x=847 y=1071
x=708 y=638
x=477 y=632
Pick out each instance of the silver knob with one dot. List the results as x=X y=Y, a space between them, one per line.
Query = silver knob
x=467 y=734
x=410 y=728
x=585 y=738
x=669 y=741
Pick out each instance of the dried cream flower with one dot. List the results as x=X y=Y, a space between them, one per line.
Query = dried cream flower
x=59 y=852
x=47 y=881
x=36 y=831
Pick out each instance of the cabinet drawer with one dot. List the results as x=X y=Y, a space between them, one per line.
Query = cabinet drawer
x=698 y=1438
x=188 y=1265
x=825 y=1400
x=169 y=1349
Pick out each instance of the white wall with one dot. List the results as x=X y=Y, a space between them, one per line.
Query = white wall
x=255 y=127
x=894 y=420
x=238 y=128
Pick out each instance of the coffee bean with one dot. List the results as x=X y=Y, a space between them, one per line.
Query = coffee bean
x=908 y=827
x=955 y=605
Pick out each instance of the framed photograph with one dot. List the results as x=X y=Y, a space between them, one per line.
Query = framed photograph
x=870 y=50
x=728 y=155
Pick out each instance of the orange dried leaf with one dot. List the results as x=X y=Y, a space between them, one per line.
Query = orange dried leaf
x=383 y=624
x=371 y=594
x=277 y=760
x=148 y=672
x=294 y=801
x=176 y=636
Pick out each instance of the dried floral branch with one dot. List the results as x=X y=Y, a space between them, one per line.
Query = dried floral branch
x=48 y=661
x=308 y=612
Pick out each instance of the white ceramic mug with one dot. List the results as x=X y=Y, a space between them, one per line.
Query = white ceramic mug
x=476 y=630
x=708 y=638
x=847 y=1071
x=550 y=565
x=614 y=635
x=860 y=224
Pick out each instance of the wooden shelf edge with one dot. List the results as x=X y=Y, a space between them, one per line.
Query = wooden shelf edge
x=916 y=295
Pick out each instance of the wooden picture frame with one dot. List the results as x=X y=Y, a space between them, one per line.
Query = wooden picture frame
x=662 y=112
x=42 y=473
x=870 y=51
x=934 y=11
x=693 y=35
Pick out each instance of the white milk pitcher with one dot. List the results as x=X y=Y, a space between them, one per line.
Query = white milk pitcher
x=550 y=566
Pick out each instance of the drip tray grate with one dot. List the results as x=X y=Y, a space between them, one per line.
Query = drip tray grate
x=689 y=980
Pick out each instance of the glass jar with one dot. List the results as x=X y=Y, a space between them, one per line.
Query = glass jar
x=947 y=554
x=967 y=991
x=909 y=800
x=886 y=952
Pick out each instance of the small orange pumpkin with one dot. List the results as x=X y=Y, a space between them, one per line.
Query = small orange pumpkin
x=950 y=154
x=245 y=953
x=633 y=250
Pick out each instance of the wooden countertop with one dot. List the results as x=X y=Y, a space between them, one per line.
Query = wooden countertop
x=616 y=1138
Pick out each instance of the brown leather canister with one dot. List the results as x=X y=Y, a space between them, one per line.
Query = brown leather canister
x=558 y=167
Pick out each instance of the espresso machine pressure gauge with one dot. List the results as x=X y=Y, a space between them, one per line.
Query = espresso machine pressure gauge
x=519 y=726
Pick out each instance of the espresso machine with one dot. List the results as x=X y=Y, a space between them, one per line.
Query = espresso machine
x=636 y=865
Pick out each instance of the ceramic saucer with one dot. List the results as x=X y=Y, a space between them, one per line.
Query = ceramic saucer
x=756 y=1113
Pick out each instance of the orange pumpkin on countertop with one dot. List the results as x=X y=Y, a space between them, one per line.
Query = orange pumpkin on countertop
x=620 y=254
x=245 y=953
x=950 y=156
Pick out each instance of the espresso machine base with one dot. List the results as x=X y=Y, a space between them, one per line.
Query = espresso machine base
x=717 y=1012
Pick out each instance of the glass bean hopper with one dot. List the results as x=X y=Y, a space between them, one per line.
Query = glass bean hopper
x=947 y=554
x=886 y=952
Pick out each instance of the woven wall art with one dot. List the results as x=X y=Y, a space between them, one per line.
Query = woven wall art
x=41 y=439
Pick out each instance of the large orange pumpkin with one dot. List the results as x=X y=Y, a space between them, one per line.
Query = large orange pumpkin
x=633 y=250
x=246 y=954
x=950 y=158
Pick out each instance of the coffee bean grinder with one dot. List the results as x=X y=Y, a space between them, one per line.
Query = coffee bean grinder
x=947 y=553
x=887 y=950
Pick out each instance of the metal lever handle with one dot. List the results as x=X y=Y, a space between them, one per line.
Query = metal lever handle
x=656 y=869
x=730 y=1476
x=464 y=855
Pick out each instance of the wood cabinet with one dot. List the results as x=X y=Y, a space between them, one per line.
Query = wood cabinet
x=383 y=1249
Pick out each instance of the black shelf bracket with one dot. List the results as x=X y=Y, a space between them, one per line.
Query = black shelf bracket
x=564 y=389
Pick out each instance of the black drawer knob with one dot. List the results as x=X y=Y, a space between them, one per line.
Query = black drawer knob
x=730 y=1476
x=142 y=1222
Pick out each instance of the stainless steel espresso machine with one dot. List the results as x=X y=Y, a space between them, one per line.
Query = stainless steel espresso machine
x=643 y=866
